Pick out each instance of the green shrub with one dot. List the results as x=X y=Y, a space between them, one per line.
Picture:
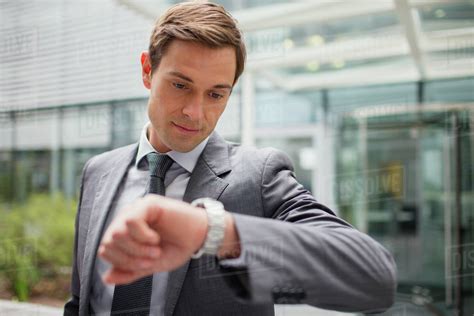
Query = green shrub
x=6 y=190
x=18 y=267
x=36 y=240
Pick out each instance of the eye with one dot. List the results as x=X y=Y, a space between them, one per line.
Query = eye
x=216 y=96
x=179 y=86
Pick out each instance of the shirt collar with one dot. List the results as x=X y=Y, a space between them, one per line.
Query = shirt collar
x=186 y=160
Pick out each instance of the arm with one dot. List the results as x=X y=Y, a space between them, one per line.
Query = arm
x=307 y=255
x=300 y=253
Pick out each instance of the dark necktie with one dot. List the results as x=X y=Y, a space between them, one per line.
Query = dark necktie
x=134 y=298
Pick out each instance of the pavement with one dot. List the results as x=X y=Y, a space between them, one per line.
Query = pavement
x=11 y=308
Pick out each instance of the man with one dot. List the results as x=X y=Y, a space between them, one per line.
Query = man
x=268 y=242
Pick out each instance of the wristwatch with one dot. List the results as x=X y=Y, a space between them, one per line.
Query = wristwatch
x=215 y=226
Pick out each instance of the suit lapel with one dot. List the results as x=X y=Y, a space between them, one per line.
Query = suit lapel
x=106 y=190
x=205 y=181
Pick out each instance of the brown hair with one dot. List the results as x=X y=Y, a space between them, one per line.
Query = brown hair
x=206 y=23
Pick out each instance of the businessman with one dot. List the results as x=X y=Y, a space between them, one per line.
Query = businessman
x=185 y=223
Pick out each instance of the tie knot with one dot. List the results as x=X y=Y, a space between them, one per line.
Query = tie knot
x=158 y=164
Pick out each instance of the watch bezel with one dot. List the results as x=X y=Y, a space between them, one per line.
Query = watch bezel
x=216 y=226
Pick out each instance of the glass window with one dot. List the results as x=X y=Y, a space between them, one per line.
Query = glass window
x=6 y=176
x=455 y=90
x=127 y=121
x=442 y=16
x=347 y=99
x=337 y=64
x=234 y=5
x=32 y=172
x=278 y=108
x=229 y=123
x=316 y=34
x=398 y=181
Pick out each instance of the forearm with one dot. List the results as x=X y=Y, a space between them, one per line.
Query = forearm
x=328 y=265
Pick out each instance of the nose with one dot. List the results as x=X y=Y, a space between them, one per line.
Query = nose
x=194 y=108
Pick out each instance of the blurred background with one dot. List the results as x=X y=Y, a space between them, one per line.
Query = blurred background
x=372 y=100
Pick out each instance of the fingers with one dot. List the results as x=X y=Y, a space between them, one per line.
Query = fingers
x=122 y=260
x=128 y=245
x=153 y=234
x=118 y=276
x=141 y=232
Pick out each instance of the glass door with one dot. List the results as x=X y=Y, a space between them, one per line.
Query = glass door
x=406 y=179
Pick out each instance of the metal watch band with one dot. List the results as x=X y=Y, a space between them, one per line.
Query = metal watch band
x=216 y=226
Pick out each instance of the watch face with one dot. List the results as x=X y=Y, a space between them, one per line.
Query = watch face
x=199 y=202
x=207 y=203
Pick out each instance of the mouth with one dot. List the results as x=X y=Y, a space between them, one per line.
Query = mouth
x=185 y=129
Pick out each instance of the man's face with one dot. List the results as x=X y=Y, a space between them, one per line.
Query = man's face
x=189 y=91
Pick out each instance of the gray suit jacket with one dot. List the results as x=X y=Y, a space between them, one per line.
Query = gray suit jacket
x=295 y=250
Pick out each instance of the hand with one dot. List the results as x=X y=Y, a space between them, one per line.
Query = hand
x=153 y=234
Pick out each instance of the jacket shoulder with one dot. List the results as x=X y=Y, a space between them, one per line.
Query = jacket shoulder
x=110 y=157
x=259 y=157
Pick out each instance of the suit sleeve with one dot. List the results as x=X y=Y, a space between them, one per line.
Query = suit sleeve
x=303 y=253
x=72 y=305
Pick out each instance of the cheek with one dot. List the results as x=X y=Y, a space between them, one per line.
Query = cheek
x=214 y=115
x=155 y=112
x=168 y=102
x=152 y=110
x=159 y=102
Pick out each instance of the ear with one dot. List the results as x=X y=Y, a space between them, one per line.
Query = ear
x=146 y=69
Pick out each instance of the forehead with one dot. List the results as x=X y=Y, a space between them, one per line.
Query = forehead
x=200 y=61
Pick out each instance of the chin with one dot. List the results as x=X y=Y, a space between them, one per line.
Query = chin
x=183 y=143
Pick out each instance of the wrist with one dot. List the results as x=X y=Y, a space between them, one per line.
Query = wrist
x=230 y=247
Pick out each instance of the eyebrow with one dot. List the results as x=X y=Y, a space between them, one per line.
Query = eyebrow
x=185 y=78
